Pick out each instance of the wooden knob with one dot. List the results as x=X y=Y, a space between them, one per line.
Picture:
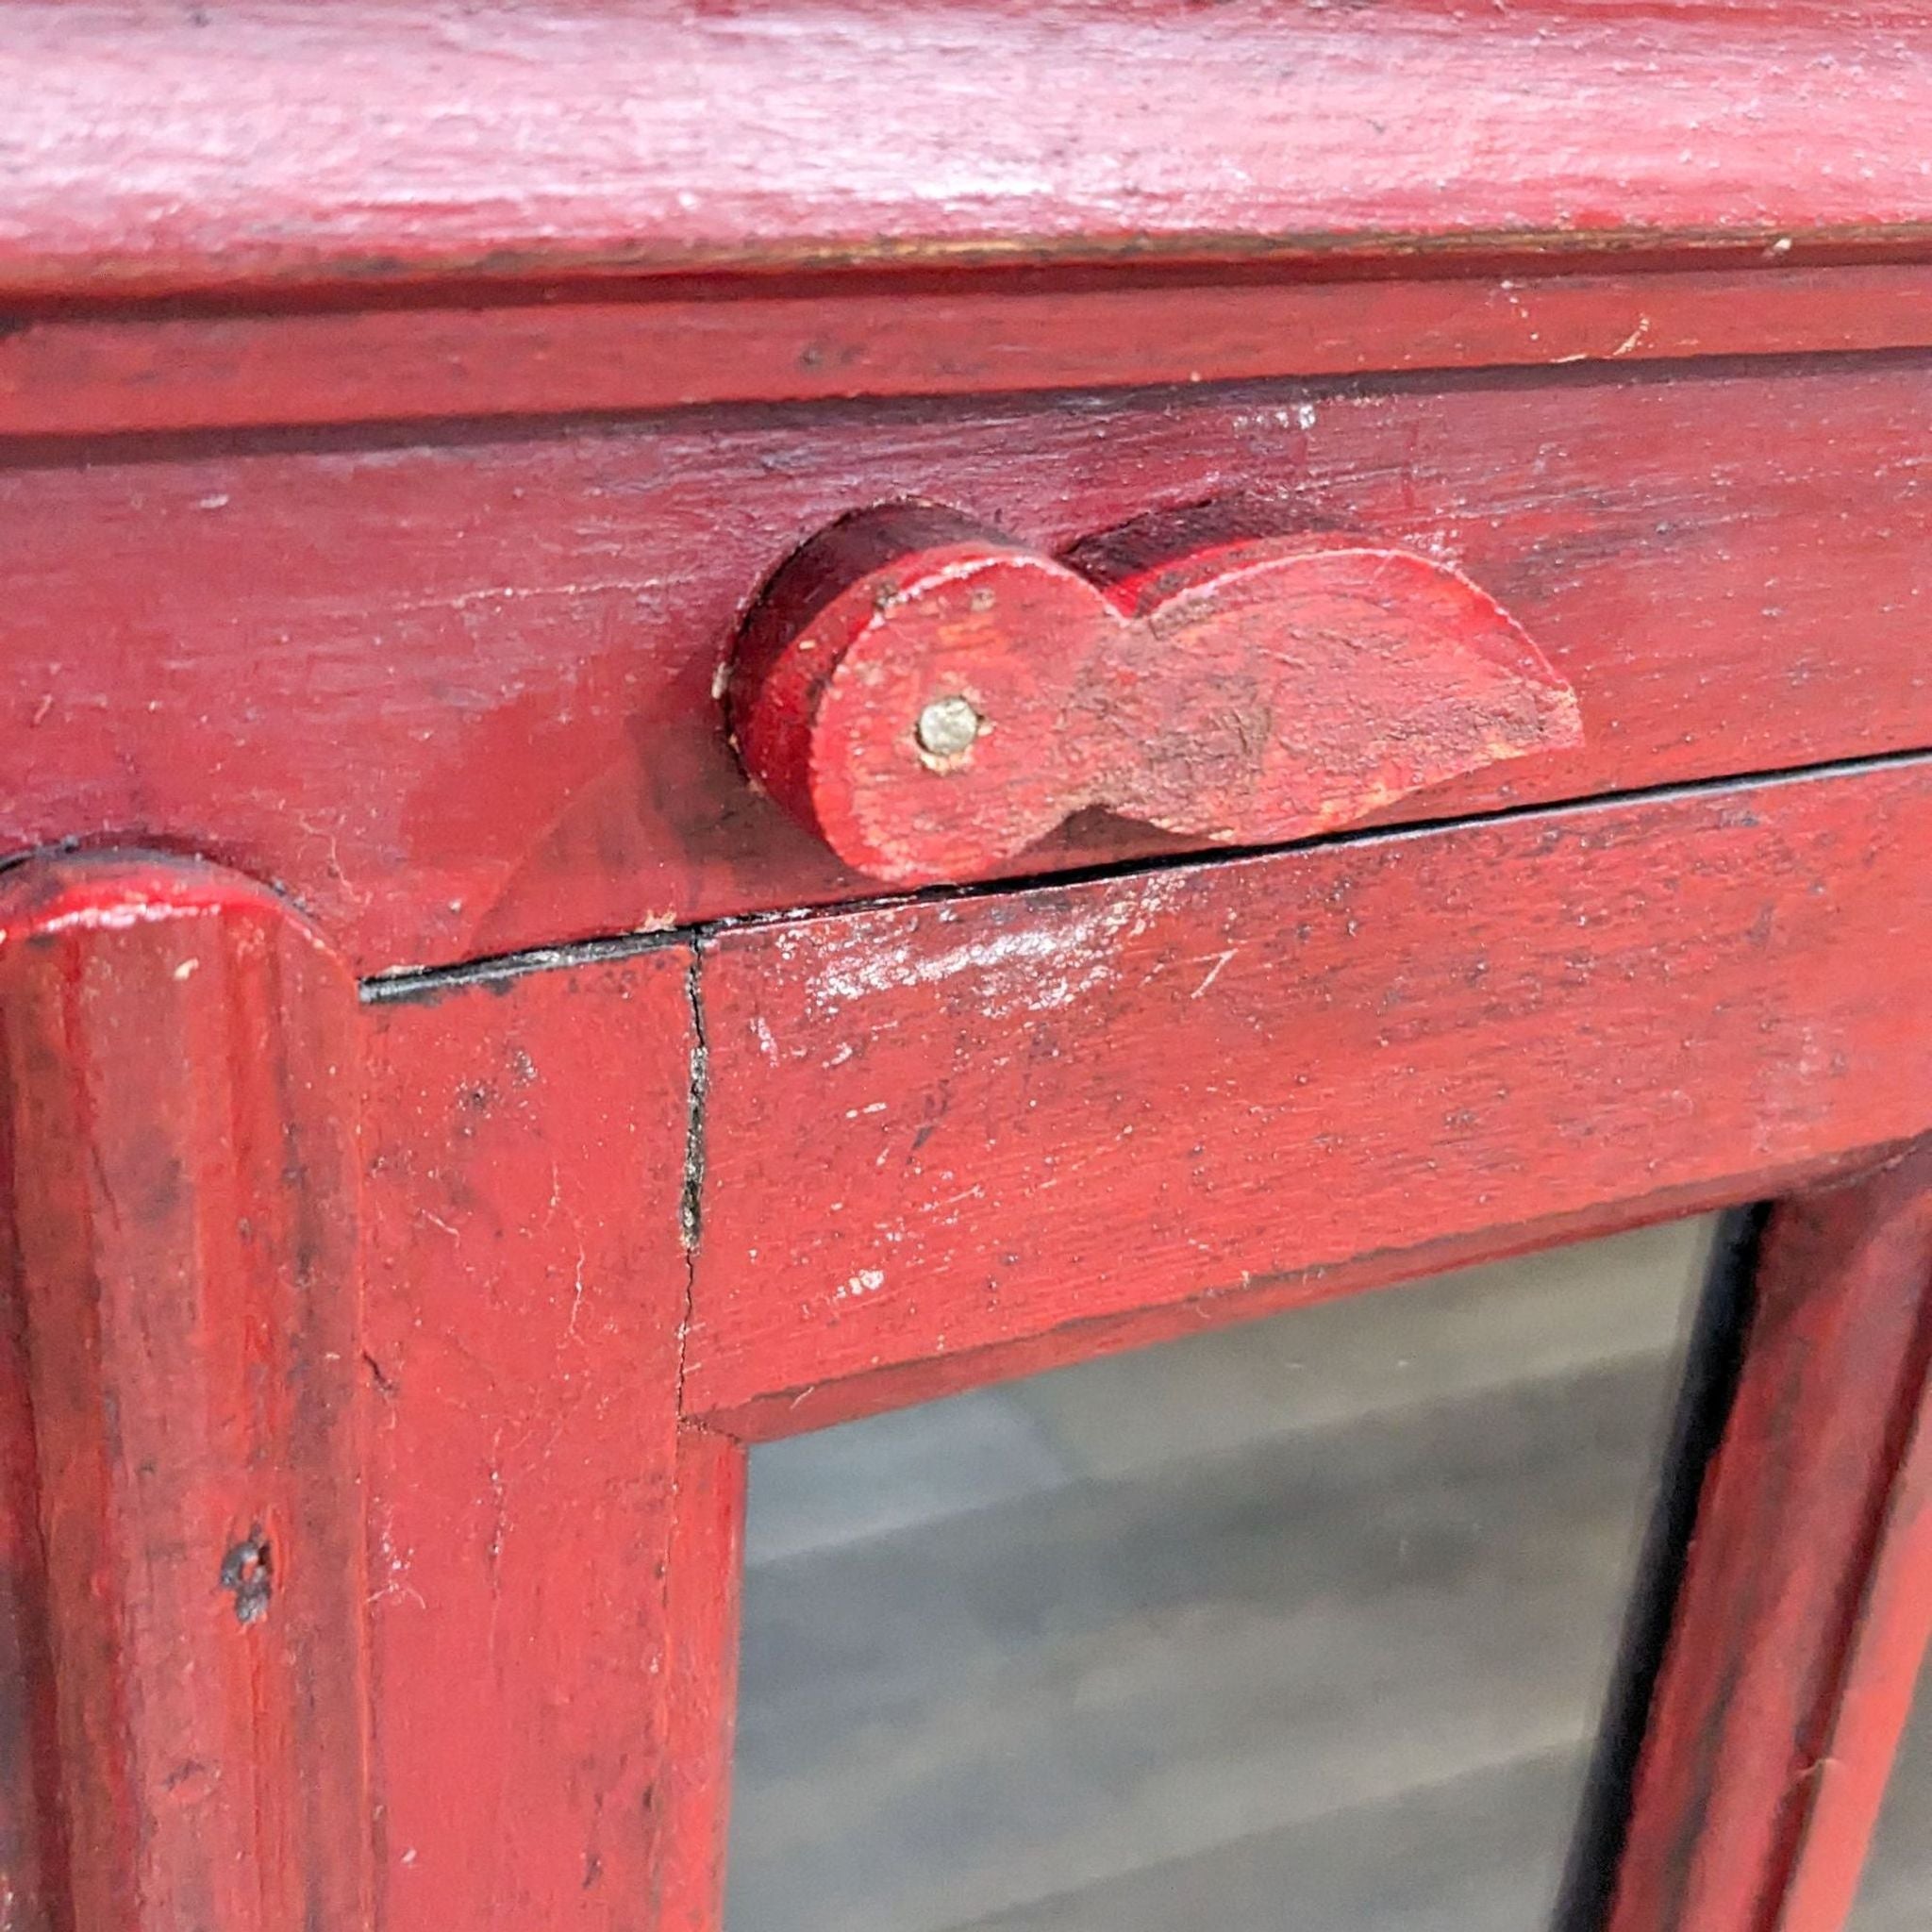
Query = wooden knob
x=932 y=697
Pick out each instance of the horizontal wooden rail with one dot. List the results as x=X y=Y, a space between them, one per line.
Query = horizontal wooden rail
x=935 y=1129
x=303 y=659
x=64 y=376
x=149 y=146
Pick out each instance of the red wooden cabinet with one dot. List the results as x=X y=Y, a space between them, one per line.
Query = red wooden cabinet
x=715 y=718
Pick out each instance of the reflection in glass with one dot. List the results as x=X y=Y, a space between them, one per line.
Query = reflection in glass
x=1301 y=1624
x=1896 y=1892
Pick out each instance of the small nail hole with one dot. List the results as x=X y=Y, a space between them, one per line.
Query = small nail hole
x=247 y=1575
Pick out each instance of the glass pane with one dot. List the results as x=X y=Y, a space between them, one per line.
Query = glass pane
x=1301 y=1624
x=1896 y=1895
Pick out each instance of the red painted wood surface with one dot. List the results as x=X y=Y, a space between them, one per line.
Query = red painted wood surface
x=554 y=1589
x=459 y=696
x=187 y=1745
x=33 y=1858
x=527 y=1142
x=937 y=1126
x=707 y=1556
x=1800 y=1506
x=825 y=1405
x=933 y=699
x=1882 y=1672
x=149 y=146
x=458 y=699
x=966 y=333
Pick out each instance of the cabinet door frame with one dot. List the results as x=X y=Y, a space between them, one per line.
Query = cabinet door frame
x=552 y=1484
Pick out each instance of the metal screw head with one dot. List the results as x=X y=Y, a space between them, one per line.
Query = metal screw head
x=947 y=726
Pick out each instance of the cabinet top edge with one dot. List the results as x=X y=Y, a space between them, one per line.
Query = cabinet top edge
x=153 y=150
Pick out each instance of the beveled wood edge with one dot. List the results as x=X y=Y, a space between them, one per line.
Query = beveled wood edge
x=791 y=1412
x=648 y=349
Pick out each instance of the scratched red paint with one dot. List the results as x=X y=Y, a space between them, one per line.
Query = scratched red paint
x=947 y=1126
x=1207 y=672
x=370 y=144
x=1742 y=1822
x=178 y=1058
x=526 y=1286
x=300 y=659
x=451 y=685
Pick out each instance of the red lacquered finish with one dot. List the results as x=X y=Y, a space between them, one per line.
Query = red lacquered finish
x=1758 y=1783
x=368 y=146
x=945 y=1128
x=458 y=697
x=185 y=1696
x=406 y=413
x=525 y=1140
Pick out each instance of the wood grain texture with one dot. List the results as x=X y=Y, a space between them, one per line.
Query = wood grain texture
x=33 y=1851
x=960 y=333
x=1220 y=673
x=153 y=148
x=527 y=1142
x=1777 y=1621
x=1095 y=1338
x=177 y=1079
x=706 y=1570
x=305 y=660
x=1884 y=1668
x=934 y=1127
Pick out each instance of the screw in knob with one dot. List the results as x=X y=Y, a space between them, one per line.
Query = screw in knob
x=948 y=727
x=1219 y=672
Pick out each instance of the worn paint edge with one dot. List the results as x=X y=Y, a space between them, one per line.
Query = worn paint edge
x=499 y=971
